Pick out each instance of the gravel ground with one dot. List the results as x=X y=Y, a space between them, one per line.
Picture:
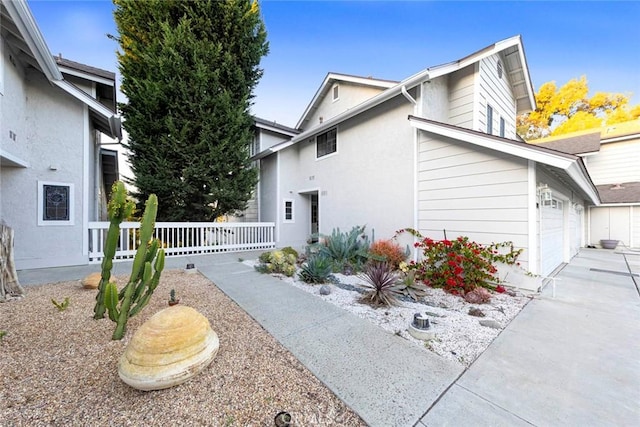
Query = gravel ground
x=60 y=368
x=459 y=337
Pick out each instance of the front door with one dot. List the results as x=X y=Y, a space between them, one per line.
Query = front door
x=314 y=217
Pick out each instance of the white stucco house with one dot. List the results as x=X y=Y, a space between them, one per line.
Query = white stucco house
x=611 y=155
x=53 y=172
x=436 y=151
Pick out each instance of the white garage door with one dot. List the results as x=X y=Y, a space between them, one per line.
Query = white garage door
x=551 y=236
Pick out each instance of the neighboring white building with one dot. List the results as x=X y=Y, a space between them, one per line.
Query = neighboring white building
x=52 y=170
x=436 y=151
x=611 y=155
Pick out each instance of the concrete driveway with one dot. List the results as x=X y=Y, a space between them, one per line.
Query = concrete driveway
x=568 y=360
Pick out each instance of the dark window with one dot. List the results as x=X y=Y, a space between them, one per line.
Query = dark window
x=326 y=143
x=288 y=210
x=501 y=127
x=499 y=67
x=56 y=203
x=489 y=119
x=336 y=92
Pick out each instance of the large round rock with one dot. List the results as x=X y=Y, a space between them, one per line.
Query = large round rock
x=92 y=281
x=172 y=346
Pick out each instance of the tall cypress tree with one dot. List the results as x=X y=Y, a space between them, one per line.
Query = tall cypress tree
x=188 y=70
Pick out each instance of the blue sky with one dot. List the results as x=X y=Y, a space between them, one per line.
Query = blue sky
x=392 y=40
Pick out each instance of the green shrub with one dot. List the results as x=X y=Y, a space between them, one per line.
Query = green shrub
x=290 y=251
x=347 y=251
x=316 y=270
x=277 y=262
x=380 y=284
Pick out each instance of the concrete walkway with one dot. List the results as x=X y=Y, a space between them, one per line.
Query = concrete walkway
x=568 y=360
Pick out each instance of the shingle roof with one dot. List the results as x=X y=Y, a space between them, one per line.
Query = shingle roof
x=578 y=144
x=85 y=68
x=627 y=192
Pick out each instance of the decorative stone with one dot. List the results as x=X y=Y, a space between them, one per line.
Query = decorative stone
x=476 y=312
x=171 y=347
x=325 y=290
x=490 y=323
x=92 y=281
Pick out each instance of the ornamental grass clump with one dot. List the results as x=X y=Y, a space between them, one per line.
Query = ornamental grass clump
x=277 y=262
x=380 y=284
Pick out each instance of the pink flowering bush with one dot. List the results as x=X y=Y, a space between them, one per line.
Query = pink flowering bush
x=459 y=266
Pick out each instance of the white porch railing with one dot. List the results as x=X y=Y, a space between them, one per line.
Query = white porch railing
x=185 y=238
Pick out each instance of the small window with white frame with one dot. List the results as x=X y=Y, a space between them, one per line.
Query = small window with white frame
x=327 y=143
x=55 y=203
x=288 y=210
x=335 y=92
x=502 y=125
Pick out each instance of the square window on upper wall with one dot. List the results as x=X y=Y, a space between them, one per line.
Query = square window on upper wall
x=327 y=143
x=335 y=92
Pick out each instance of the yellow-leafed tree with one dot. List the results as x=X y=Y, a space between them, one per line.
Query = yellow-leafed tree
x=569 y=109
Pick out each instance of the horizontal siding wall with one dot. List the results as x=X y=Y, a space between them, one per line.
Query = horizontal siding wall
x=461 y=89
x=497 y=92
x=615 y=163
x=473 y=192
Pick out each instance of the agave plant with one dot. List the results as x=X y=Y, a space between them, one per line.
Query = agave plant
x=411 y=288
x=316 y=270
x=346 y=250
x=380 y=285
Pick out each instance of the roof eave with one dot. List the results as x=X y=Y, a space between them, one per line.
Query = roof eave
x=573 y=165
x=23 y=19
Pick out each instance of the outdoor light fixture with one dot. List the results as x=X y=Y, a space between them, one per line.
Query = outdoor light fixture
x=420 y=328
x=545 y=192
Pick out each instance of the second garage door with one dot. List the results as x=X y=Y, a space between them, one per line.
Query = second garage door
x=551 y=235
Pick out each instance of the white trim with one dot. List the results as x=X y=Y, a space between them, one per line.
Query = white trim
x=14 y=161
x=532 y=217
x=85 y=75
x=23 y=19
x=86 y=98
x=493 y=143
x=40 y=211
x=278 y=222
x=86 y=135
x=284 y=211
x=332 y=77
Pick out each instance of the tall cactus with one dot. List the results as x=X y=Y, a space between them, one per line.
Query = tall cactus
x=148 y=263
x=144 y=277
x=119 y=209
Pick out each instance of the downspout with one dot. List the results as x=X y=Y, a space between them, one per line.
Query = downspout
x=416 y=111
